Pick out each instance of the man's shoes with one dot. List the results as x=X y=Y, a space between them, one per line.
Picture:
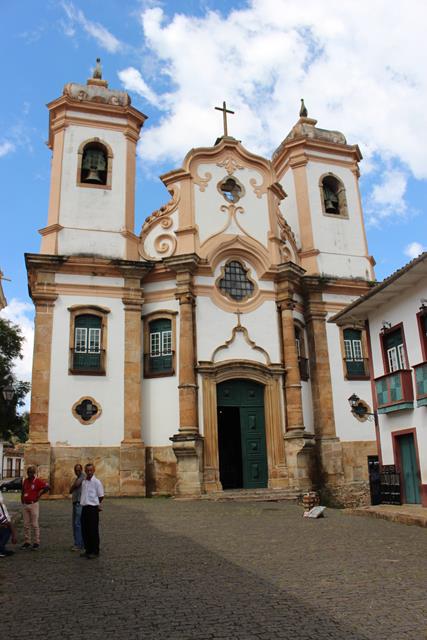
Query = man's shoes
x=75 y=548
x=25 y=546
x=35 y=546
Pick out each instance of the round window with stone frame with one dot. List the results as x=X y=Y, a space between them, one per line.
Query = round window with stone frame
x=234 y=282
x=86 y=410
x=231 y=189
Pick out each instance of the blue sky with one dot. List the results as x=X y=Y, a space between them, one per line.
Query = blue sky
x=353 y=62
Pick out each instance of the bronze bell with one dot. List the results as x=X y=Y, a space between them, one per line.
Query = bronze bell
x=331 y=201
x=94 y=162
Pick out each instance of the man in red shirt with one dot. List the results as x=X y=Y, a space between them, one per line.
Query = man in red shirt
x=32 y=489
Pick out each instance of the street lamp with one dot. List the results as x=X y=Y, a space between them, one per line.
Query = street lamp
x=8 y=391
x=359 y=408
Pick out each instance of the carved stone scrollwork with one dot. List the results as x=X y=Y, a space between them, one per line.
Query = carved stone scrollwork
x=164 y=244
x=288 y=248
x=259 y=189
x=202 y=183
x=230 y=164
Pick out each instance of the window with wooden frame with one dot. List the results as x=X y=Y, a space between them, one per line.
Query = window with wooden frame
x=422 y=328
x=394 y=349
x=302 y=353
x=354 y=350
x=159 y=344
x=88 y=340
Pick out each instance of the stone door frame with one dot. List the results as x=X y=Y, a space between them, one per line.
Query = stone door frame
x=271 y=377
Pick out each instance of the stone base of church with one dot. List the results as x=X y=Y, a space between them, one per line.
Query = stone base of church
x=160 y=471
x=121 y=469
x=38 y=454
x=300 y=460
x=188 y=450
x=343 y=480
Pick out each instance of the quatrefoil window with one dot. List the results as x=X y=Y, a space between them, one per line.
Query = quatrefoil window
x=234 y=281
x=86 y=410
x=231 y=189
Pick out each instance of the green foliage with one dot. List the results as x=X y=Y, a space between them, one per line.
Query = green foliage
x=12 y=425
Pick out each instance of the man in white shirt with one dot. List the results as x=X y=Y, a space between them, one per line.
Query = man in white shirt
x=90 y=499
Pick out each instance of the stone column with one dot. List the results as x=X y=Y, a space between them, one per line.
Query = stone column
x=330 y=471
x=132 y=449
x=294 y=415
x=37 y=449
x=299 y=445
x=187 y=443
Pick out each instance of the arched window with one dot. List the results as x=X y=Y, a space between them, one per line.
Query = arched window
x=302 y=354
x=88 y=339
x=353 y=349
x=334 y=201
x=234 y=282
x=87 y=342
x=159 y=343
x=94 y=167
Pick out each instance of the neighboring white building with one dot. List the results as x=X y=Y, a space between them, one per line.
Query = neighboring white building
x=196 y=356
x=395 y=313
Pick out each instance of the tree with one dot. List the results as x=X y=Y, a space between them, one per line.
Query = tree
x=11 y=423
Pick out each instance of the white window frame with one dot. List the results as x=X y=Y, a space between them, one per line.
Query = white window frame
x=166 y=343
x=155 y=344
x=80 y=340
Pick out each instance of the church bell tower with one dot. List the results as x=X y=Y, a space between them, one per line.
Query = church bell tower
x=93 y=131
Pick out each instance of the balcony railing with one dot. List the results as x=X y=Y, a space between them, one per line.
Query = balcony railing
x=356 y=369
x=159 y=365
x=87 y=363
x=303 y=368
x=395 y=391
x=421 y=383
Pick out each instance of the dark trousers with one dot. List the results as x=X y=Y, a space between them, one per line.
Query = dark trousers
x=90 y=529
x=4 y=537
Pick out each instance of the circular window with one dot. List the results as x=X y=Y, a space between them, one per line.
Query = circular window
x=234 y=282
x=231 y=189
x=86 y=410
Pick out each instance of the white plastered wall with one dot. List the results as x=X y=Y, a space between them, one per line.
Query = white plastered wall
x=160 y=396
x=401 y=309
x=306 y=391
x=85 y=210
x=289 y=207
x=211 y=220
x=348 y=429
x=340 y=240
x=66 y=389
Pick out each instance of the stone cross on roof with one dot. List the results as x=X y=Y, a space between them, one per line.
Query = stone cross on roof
x=224 y=116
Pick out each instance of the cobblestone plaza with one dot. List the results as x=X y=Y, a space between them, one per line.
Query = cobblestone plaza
x=202 y=570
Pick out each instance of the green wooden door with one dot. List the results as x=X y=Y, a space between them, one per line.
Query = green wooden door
x=254 y=459
x=409 y=469
x=248 y=398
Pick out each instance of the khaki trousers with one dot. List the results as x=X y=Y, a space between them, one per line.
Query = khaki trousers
x=31 y=521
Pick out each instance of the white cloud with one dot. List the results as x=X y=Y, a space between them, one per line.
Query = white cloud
x=388 y=196
x=353 y=62
x=76 y=16
x=133 y=81
x=21 y=313
x=5 y=148
x=414 y=249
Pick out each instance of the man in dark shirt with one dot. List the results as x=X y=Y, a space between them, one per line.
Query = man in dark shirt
x=75 y=490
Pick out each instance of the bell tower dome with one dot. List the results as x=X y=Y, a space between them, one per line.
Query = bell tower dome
x=93 y=132
x=319 y=172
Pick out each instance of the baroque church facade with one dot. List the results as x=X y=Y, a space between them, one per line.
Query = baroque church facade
x=196 y=356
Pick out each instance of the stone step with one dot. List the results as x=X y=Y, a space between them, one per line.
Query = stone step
x=253 y=495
